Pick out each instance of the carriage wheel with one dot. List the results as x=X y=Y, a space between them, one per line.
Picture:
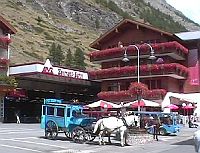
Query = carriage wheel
x=78 y=135
x=51 y=130
x=68 y=134
x=89 y=136
x=162 y=131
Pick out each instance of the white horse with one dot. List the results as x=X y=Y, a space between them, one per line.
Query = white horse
x=111 y=124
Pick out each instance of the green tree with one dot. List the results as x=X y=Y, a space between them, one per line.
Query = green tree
x=97 y=23
x=69 y=59
x=79 y=59
x=52 y=53
x=56 y=54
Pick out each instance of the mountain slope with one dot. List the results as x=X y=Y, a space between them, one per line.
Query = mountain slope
x=73 y=23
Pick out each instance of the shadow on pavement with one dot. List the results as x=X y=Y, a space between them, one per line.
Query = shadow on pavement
x=185 y=142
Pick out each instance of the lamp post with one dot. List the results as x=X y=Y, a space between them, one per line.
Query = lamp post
x=126 y=59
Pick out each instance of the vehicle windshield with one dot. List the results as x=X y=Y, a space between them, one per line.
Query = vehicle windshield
x=166 y=120
x=77 y=113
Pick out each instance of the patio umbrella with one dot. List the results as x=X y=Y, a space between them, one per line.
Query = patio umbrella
x=188 y=107
x=172 y=106
x=102 y=104
x=142 y=103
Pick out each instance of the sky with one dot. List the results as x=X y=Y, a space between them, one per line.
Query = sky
x=190 y=8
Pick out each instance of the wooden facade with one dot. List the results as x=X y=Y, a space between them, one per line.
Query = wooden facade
x=168 y=72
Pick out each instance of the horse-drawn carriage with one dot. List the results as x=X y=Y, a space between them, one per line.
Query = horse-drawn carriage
x=58 y=117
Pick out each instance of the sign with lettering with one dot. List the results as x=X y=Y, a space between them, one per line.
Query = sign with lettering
x=47 y=68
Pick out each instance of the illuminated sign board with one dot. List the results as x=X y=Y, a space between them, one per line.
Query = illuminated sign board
x=47 y=68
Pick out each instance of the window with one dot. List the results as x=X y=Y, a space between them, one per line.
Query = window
x=68 y=112
x=113 y=86
x=44 y=110
x=50 y=110
x=153 y=84
x=60 y=112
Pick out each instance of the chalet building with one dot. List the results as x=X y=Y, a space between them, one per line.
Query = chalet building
x=6 y=30
x=167 y=62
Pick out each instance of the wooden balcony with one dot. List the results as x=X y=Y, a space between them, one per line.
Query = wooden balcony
x=125 y=95
x=174 y=70
x=172 y=49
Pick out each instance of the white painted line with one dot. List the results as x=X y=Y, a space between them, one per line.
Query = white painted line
x=165 y=139
x=19 y=138
x=73 y=151
x=20 y=132
x=8 y=146
x=38 y=143
x=65 y=151
x=17 y=130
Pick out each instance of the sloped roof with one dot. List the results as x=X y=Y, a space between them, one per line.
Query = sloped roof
x=7 y=26
x=121 y=25
x=195 y=35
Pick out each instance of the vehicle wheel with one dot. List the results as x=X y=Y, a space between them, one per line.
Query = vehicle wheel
x=68 y=134
x=162 y=131
x=51 y=130
x=89 y=136
x=78 y=135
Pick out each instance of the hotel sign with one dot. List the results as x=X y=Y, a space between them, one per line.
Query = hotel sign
x=47 y=68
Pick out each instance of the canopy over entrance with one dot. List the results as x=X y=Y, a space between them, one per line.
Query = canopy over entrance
x=189 y=97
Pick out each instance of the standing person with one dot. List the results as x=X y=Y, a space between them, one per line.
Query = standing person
x=123 y=110
x=156 y=127
x=17 y=117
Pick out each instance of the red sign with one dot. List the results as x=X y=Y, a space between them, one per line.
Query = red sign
x=193 y=65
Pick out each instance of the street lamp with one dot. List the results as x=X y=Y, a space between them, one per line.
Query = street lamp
x=126 y=59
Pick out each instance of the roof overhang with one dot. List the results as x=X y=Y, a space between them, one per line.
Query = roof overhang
x=188 y=36
x=7 y=26
x=123 y=26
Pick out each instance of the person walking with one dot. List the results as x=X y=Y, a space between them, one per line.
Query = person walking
x=17 y=117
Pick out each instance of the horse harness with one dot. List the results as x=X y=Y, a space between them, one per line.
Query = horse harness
x=124 y=122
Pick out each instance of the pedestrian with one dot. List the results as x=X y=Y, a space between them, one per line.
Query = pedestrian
x=156 y=127
x=17 y=117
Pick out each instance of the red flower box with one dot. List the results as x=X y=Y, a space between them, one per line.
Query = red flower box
x=5 y=40
x=126 y=95
x=165 y=47
x=144 y=69
x=4 y=61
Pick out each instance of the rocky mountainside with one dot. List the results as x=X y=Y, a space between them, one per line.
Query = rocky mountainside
x=73 y=23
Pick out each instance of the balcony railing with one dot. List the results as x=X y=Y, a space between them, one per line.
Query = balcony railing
x=4 y=61
x=4 y=42
x=125 y=95
x=174 y=69
x=5 y=39
x=167 y=48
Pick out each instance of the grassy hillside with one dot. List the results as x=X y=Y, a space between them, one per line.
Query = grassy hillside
x=35 y=33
